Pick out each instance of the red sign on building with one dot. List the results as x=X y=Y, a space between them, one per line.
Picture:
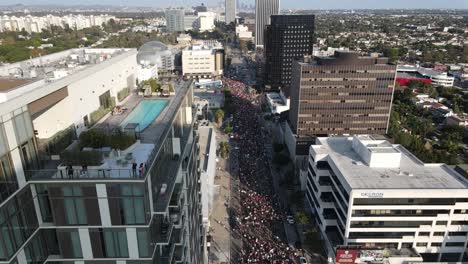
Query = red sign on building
x=346 y=256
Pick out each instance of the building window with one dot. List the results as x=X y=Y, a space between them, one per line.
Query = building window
x=8 y=183
x=69 y=242
x=23 y=127
x=75 y=211
x=421 y=244
x=127 y=204
x=455 y=244
x=144 y=247
x=109 y=243
x=28 y=155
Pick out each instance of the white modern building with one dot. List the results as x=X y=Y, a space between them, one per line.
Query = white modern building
x=367 y=192
x=438 y=78
x=208 y=145
x=104 y=73
x=206 y=21
x=175 y=20
x=203 y=60
x=35 y=24
x=277 y=102
x=243 y=32
x=88 y=214
x=146 y=72
x=230 y=11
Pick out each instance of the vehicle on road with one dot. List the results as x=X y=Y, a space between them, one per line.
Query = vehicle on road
x=301 y=260
x=290 y=219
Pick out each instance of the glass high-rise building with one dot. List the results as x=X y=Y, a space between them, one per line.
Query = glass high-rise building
x=287 y=38
x=263 y=10
x=230 y=11
x=175 y=20
x=95 y=208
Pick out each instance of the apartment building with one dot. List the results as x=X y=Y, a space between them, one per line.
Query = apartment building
x=288 y=38
x=370 y=193
x=175 y=20
x=345 y=94
x=35 y=24
x=104 y=213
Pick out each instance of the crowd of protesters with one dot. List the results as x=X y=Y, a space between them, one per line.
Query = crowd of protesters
x=258 y=215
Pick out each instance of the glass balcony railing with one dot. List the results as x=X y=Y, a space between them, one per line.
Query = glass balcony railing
x=80 y=174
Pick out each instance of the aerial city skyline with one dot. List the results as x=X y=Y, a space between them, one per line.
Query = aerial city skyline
x=224 y=131
x=298 y=4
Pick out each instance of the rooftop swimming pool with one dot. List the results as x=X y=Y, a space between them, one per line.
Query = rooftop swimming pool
x=145 y=113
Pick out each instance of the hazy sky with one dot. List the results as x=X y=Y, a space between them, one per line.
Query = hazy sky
x=300 y=4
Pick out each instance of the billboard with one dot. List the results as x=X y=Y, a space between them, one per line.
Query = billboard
x=346 y=255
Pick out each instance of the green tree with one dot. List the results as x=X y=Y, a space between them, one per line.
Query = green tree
x=302 y=219
x=224 y=149
x=219 y=116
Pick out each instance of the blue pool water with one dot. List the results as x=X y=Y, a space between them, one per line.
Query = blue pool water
x=145 y=113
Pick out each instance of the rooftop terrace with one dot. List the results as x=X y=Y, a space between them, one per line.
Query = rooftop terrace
x=119 y=167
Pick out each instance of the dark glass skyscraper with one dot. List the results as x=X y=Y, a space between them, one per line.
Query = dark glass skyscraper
x=287 y=38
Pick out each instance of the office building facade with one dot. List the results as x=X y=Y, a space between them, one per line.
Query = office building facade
x=263 y=10
x=230 y=11
x=287 y=39
x=92 y=214
x=175 y=20
x=343 y=94
x=370 y=193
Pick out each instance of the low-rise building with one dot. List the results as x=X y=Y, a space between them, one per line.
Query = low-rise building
x=370 y=193
x=408 y=73
x=457 y=120
x=277 y=102
x=243 y=32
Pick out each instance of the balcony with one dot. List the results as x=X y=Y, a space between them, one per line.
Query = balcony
x=164 y=184
x=80 y=174
x=175 y=198
x=163 y=229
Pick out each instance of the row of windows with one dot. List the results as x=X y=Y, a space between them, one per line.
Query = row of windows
x=409 y=201
x=78 y=205
x=385 y=224
x=398 y=213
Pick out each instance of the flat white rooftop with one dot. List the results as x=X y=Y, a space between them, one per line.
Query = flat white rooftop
x=394 y=167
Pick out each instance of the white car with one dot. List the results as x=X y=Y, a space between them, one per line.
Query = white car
x=302 y=260
x=290 y=219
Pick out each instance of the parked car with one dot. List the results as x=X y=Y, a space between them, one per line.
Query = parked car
x=301 y=260
x=290 y=219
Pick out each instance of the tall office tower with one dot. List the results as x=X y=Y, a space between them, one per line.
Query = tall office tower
x=263 y=10
x=62 y=203
x=287 y=38
x=175 y=20
x=372 y=194
x=343 y=94
x=230 y=11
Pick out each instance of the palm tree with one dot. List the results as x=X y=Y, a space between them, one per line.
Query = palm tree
x=219 y=116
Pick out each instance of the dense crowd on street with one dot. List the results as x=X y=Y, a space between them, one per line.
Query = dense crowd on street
x=258 y=215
